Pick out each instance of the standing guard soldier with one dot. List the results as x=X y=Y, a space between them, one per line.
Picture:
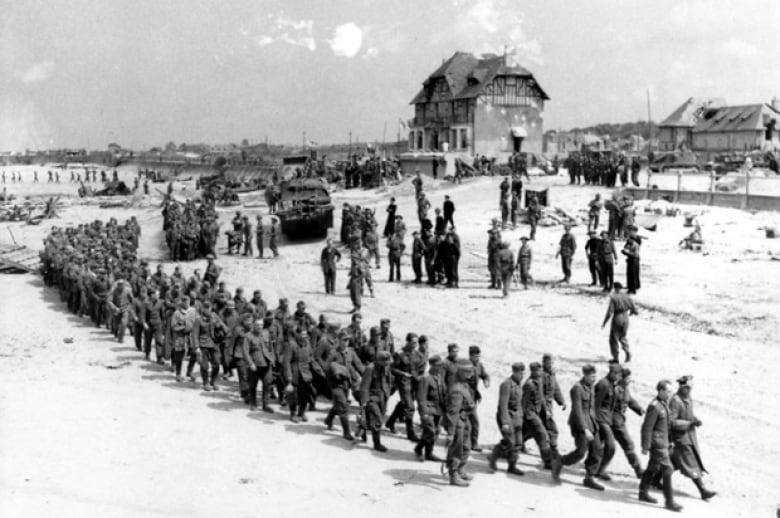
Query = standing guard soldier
x=655 y=439
x=460 y=404
x=582 y=421
x=374 y=393
x=248 y=235
x=506 y=265
x=494 y=243
x=272 y=239
x=534 y=214
x=607 y=258
x=328 y=258
x=418 y=252
x=259 y=235
x=631 y=251
x=566 y=249
x=509 y=417
x=593 y=250
x=394 y=251
x=685 y=454
x=431 y=401
x=620 y=306
x=524 y=257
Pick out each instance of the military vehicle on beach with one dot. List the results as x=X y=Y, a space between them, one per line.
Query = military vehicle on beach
x=305 y=208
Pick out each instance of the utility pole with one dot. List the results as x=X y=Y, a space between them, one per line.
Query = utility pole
x=349 y=149
x=649 y=122
x=384 y=136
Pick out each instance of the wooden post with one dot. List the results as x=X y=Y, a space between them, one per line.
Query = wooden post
x=679 y=186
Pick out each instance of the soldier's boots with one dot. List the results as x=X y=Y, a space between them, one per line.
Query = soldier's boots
x=604 y=476
x=410 y=434
x=429 y=453
x=644 y=496
x=493 y=457
x=512 y=469
x=556 y=467
x=329 y=420
x=592 y=484
x=418 y=452
x=346 y=432
x=390 y=423
x=669 y=503
x=705 y=493
x=378 y=446
x=457 y=480
x=463 y=474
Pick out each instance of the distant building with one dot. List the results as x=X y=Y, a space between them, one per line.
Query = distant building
x=676 y=131
x=481 y=106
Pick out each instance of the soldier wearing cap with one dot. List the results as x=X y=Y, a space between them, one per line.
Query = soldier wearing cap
x=566 y=249
x=328 y=259
x=686 y=455
x=619 y=308
x=623 y=401
x=607 y=258
x=212 y=271
x=154 y=317
x=403 y=374
x=260 y=358
x=592 y=250
x=509 y=417
x=460 y=404
x=355 y=284
x=418 y=252
x=298 y=366
x=631 y=251
x=606 y=402
x=343 y=370
x=494 y=243
x=655 y=440
x=524 y=256
x=552 y=392
x=431 y=402
x=480 y=373
x=584 y=429
x=374 y=392
x=506 y=266
x=180 y=331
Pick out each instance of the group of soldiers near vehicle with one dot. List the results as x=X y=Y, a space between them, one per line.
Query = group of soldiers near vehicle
x=288 y=356
x=602 y=169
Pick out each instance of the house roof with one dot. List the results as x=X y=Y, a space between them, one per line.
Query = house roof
x=686 y=115
x=467 y=76
x=749 y=117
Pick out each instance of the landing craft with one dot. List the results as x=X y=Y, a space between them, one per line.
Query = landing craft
x=305 y=209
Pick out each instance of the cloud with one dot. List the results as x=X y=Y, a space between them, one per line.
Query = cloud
x=38 y=72
x=279 y=28
x=21 y=126
x=490 y=26
x=739 y=49
x=347 y=40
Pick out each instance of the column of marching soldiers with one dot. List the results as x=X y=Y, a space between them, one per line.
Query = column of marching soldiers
x=293 y=359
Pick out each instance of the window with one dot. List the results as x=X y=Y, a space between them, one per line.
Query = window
x=464 y=140
x=454 y=139
x=411 y=140
x=419 y=139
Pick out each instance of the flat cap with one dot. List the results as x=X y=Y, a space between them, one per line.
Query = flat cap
x=588 y=369
x=685 y=381
x=474 y=349
x=518 y=367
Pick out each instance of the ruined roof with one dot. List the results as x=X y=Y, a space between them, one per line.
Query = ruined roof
x=686 y=115
x=749 y=117
x=467 y=76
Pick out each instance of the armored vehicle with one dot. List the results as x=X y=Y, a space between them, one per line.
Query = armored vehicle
x=305 y=208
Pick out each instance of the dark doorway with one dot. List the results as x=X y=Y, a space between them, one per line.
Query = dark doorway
x=517 y=144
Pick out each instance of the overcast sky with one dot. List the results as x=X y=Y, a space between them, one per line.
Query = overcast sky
x=141 y=73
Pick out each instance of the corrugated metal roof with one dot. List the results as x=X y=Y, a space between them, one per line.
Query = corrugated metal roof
x=686 y=115
x=751 y=117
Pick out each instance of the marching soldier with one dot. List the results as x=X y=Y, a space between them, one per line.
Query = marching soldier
x=204 y=335
x=355 y=284
x=582 y=421
x=213 y=271
x=480 y=373
x=620 y=306
x=606 y=402
x=534 y=407
x=509 y=417
x=460 y=404
x=623 y=401
x=685 y=454
x=341 y=373
x=154 y=319
x=552 y=392
x=403 y=367
x=374 y=393
x=260 y=357
x=655 y=440
x=298 y=365
x=431 y=401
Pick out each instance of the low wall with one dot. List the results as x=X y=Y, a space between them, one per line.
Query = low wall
x=719 y=199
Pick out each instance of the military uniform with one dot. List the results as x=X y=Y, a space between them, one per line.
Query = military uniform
x=460 y=404
x=509 y=417
x=655 y=439
x=374 y=393
x=620 y=306
x=431 y=402
x=582 y=419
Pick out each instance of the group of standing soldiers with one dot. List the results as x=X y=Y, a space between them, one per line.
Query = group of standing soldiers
x=602 y=169
x=243 y=233
x=190 y=231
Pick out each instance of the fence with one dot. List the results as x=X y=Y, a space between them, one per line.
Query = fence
x=745 y=191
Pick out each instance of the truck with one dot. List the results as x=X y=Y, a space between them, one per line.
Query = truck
x=305 y=208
